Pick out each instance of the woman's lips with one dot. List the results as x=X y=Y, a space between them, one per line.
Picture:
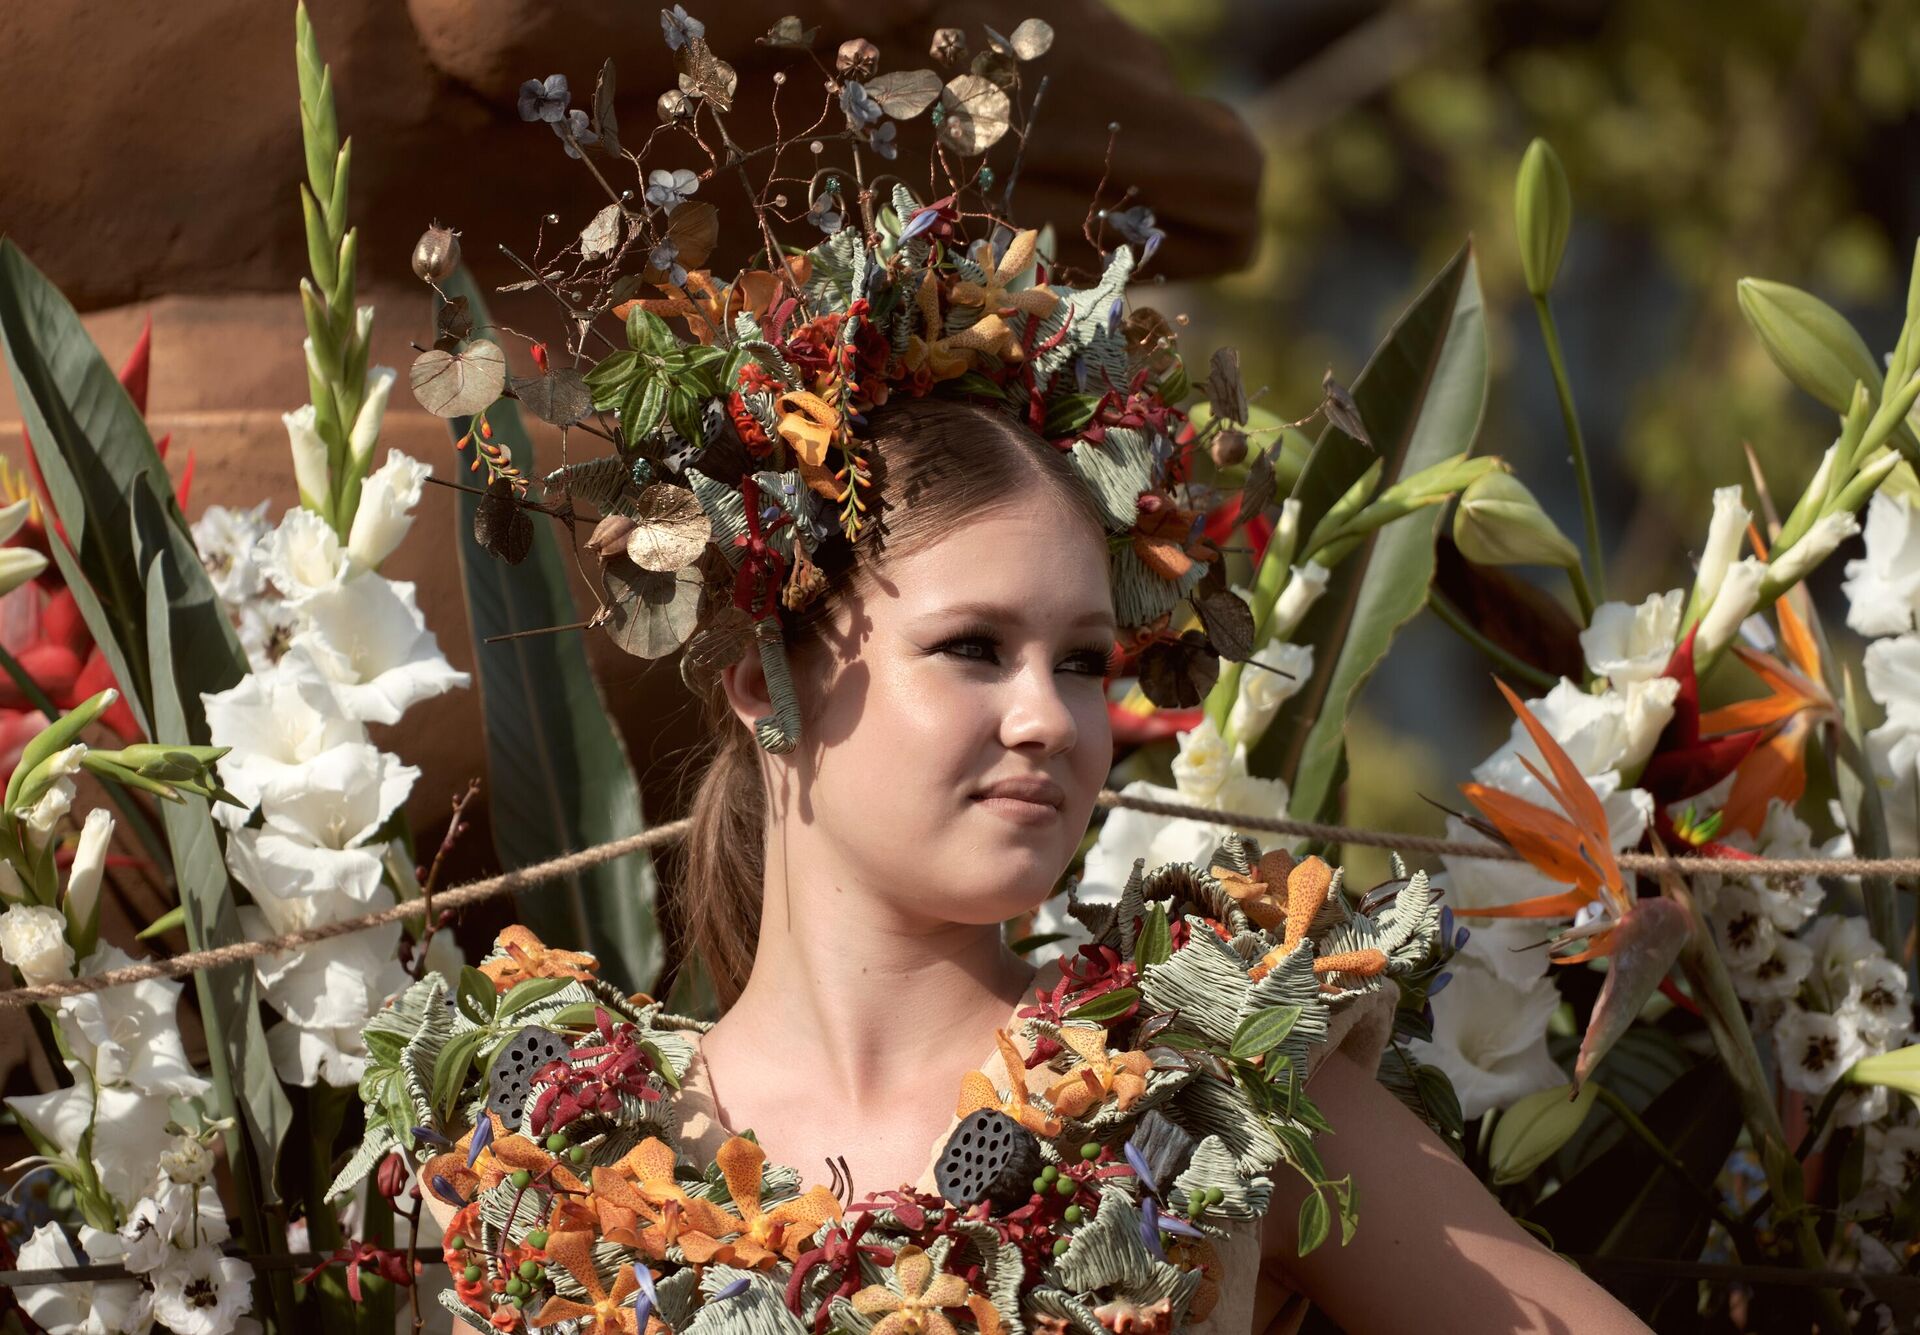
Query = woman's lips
x=1025 y=800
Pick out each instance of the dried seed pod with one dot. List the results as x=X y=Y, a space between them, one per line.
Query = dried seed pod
x=989 y=1155
x=857 y=59
x=673 y=105
x=609 y=537
x=949 y=45
x=437 y=253
x=1229 y=448
x=510 y=1078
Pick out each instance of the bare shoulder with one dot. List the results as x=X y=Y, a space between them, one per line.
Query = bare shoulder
x=1434 y=1250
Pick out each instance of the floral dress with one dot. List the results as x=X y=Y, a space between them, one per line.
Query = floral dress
x=1362 y=1030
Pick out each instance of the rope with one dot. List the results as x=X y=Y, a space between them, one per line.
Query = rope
x=474 y=892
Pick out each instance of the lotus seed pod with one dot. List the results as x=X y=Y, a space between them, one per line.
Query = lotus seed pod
x=510 y=1078
x=436 y=254
x=989 y=1156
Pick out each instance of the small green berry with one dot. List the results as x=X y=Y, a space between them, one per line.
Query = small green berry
x=537 y=1238
x=555 y=1143
x=1215 y=1195
x=458 y=1242
x=1066 y=1186
x=1072 y=1214
x=1040 y=1185
x=578 y=1154
x=517 y=1301
x=516 y=1287
x=1196 y=1204
x=1090 y=1150
x=521 y=1178
x=529 y=1271
x=473 y=1273
x=1060 y=1246
x=1050 y=1172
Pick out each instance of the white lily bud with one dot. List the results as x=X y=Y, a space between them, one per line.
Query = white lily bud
x=1724 y=535
x=1308 y=583
x=89 y=865
x=18 y=565
x=373 y=407
x=310 y=471
x=1739 y=591
x=387 y=499
x=1815 y=546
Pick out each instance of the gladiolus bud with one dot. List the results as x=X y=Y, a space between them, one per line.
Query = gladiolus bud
x=1542 y=214
x=1816 y=545
x=1499 y=523
x=310 y=472
x=373 y=408
x=1810 y=341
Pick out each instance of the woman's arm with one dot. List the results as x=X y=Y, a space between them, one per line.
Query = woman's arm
x=1433 y=1252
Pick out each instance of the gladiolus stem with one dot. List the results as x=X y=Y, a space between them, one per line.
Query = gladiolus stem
x=1582 y=473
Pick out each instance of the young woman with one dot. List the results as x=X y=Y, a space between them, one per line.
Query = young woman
x=848 y=897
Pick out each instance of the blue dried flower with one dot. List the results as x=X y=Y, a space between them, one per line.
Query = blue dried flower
x=680 y=27
x=1439 y=983
x=1136 y=225
x=733 y=1290
x=665 y=257
x=482 y=1137
x=575 y=123
x=859 y=105
x=431 y=1136
x=444 y=1190
x=825 y=215
x=544 y=99
x=669 y=190
x=1138 y=1161
x=885 y=141
x=920 y=222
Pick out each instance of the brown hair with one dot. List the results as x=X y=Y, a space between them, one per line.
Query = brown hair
x=937 y=464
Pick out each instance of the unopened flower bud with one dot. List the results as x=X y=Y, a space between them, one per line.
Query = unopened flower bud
x=857 y=59
x=609 y=537
x=1499 y=523
x=392 y=1178
x=1229 y=448
x=673 y=105
x=1529 y=1132
x=1809 y=340
x=1542 y=215
x=436 y=254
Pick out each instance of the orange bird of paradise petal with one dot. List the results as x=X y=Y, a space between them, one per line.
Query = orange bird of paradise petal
x=1797 y=700
x=1573 y=846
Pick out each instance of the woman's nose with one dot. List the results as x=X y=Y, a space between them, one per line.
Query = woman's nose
x=1037 y=715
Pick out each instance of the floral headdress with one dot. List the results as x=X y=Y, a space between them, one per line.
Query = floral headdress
x=737 y=408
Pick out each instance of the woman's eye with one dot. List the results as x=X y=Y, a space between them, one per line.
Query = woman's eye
x=976 y=647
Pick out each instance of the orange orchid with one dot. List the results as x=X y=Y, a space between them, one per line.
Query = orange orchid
x=1097 y=1074
x=527 y=956
x=931 y=352
x=783 y=1232
x=642 y=1187
x=977 y=1092
x=1308 y=882
x=1798 y=703
x=510 y=1153
x=1575 y=848
x=915 y=1310
x=992 y=296
x=1254 y=892
x=608 y=1313
x=809 y=425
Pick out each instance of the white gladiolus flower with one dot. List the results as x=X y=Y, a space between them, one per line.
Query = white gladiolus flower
x=46 y=811
x=1739 y=592
x=127 y=1137
x=1725 y=534
x=302 y=557
x=89 y=865
x=33 y=939
x=387 y=499
x=89 y=1307
x=1600 y=733
x=225 y=539
x=310 y=471
x=1490 y=1036
x=157 y=1223
x=1883 y=588
x=1878 y=1003
x=1627 y=643
x=129 y=1035
x=1893 y=679
x=1838 y=942
x=373 y=407
x=339 y=798
x=276 y=721
x=201 y=1292
x=188 y=1163
x=1893 y=753
x=369 y=639
x=1303 y=589
x=1203 y=763
x=1893 y=1156
x=267 y=627
x=1263 y=692
x=1815 y=1049
x=309 y=1057
x=1815 y=545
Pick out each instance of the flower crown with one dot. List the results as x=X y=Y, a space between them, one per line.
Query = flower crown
x=738 y=408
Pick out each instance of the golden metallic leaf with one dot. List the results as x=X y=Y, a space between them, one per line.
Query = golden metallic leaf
x=977 y=114
x=670 y=530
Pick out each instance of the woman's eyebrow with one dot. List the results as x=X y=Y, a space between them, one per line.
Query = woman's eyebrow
x=991 y=611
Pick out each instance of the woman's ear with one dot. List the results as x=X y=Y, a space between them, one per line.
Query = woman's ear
x=745 y=682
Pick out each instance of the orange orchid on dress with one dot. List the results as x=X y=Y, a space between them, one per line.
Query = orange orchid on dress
x=917 y=1309
x=1089 y=1082
x=1307 y=884
x=977 y=1092
x=641 y=1186
x=768 y=1236
x=609 y=1313
x=527 y=956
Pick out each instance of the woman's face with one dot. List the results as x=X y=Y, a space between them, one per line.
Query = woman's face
x=956 y=735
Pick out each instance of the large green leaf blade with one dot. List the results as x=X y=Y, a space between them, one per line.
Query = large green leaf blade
x=561 y=778
x=1422 y=394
